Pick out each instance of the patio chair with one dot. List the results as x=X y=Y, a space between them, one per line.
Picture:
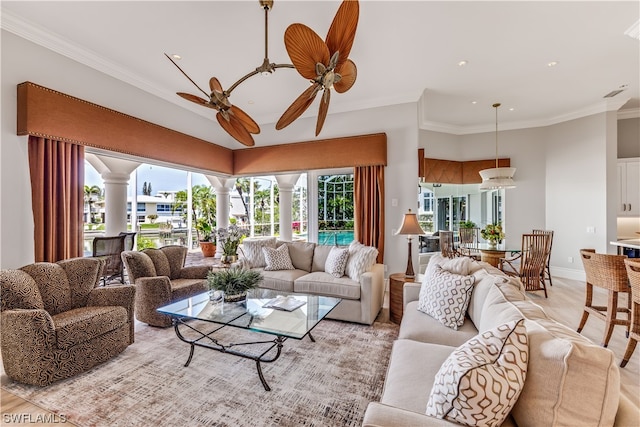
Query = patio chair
x=609 y=273
x=109 y=249
x=633 y=272
x=447 y=246
x=530 y=263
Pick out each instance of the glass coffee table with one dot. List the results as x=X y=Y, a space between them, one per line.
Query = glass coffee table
x=252 y=315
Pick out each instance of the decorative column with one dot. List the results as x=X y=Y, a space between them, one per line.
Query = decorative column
x=115 y=202
x=222 y=187
x=285 y=186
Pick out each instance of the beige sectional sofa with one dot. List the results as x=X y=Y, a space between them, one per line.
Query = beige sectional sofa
x=361 y=299
x=570 y=381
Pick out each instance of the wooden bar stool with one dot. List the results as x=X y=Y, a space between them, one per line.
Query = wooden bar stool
x=606 y=272
x=633 y=271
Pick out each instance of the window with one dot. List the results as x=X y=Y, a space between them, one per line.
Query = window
x=141 y=207
x=163 y=208
x=335 y=209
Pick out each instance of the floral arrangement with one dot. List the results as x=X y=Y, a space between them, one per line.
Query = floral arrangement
x=492 y=233
x=229 y=238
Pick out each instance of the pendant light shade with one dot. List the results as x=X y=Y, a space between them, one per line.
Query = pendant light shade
x=497 y=177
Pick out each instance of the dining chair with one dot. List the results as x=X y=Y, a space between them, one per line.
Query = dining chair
x=547 y=270
x=609 y=273
x=469 y=242
x=633 y=273
x=530 y=263
x=447 y=246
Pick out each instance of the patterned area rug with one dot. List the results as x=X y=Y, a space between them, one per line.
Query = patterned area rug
x=326 y=383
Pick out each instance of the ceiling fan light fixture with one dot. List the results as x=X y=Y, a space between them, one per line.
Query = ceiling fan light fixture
x=498 y=177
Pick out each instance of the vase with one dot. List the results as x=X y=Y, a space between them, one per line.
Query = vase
x=493 y=244
x=208 y=248
x=236 y=297
x=229 y=259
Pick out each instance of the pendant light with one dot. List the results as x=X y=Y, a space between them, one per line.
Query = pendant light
x=497 y=177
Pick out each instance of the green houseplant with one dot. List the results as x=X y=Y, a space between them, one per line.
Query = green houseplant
x=234 y=282
x=492 y=233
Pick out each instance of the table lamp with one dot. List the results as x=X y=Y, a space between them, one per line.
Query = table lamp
x=410 y=227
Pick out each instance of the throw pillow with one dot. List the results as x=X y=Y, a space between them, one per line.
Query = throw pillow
x=277 y=259
x=336 y=261
x=482 y=379
x=252 y=250
x=445 y=297
x=361 y=259
x=458 y=265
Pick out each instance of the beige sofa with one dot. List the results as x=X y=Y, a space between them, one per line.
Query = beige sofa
x=569 y=379
x=361 y=299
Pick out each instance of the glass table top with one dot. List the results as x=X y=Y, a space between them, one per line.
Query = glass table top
x=251 y=313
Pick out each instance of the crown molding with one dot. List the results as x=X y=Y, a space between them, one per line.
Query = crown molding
x=630 y=113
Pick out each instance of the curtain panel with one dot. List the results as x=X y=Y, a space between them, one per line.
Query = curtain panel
x=57 y=182
x=369 y=207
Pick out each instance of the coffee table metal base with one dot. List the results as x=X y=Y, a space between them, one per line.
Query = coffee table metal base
x=206 y=340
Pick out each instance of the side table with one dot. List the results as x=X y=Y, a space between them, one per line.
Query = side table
x=396 y=283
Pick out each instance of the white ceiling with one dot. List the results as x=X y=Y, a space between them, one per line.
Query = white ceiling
x=402 y=50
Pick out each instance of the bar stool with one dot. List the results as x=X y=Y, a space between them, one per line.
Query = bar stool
x=606 y=272
x=633 y=271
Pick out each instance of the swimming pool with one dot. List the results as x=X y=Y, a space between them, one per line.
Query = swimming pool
x=335 y=237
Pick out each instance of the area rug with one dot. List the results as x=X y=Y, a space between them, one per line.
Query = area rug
x=324 y=383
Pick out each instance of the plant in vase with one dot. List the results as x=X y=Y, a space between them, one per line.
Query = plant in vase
x=492 y=233
x=233 y=282
x=230 y=239
x=206 y=236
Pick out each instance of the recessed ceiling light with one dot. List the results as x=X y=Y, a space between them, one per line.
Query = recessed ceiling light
x=176 y=56
x=511 y=109
x=474 y=102
x=462 y=63
x=251 y=101
x=552 y=64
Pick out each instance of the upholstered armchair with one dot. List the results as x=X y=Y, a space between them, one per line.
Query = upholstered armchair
x=161 y=278
x=56 y=322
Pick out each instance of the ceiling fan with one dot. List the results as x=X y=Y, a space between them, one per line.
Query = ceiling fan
x=325 y=63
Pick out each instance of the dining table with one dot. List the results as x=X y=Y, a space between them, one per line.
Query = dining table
x=492 y=253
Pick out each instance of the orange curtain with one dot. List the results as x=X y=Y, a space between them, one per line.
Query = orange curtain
x=369 y=207
x=57 y=194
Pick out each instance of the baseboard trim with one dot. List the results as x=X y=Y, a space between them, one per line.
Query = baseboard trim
x=568 y=273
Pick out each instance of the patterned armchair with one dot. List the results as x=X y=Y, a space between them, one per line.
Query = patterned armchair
x=56 y=322
x=161 y=278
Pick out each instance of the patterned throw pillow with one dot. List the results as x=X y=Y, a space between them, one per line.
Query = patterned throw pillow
x=277 y=259
x=482 y=379
x=445 y=296
x=252 y=250
x=361 y=259
x=336 y=261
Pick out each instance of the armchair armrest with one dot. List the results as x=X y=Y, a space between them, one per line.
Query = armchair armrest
x=372 y=292
x=410 y=292
x=379 y=414
x=195 y=272
x=27 y=335
x=123 y=295
x=151 y=293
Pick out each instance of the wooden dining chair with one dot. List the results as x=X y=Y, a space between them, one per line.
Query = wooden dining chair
x=447 y=245
x=469 y=242
x=547 y=270
x=633 y=272
x=530 y=263
x=609 y=273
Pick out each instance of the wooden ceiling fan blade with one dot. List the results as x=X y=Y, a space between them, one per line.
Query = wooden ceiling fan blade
x=298 y=107
x=306 y=49
x=249 y=124
x=195 y=99
x=234 y=127
x=342 y=32
x=214 y=84
x=349 y=73
x=322 y=111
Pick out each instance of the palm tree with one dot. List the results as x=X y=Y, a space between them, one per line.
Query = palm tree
x=89 y=192
x=243 y=186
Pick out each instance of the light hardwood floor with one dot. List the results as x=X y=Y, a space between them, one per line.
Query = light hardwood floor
x=565 y=302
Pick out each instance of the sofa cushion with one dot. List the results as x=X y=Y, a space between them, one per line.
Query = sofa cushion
x=421 y=327
x=185 y=288
x=498 y=307
x=252 y=249
x=445 y=297
x=281 y=280
x=320 y=255
x=160 y=261
x=321 y=283
x=301 y=254
x=336 y=261
x=53 y=284
x=138 y=265
x=85 y=323
x=569 y=378
x=481 y=380
x=361 y=259
x=176 y=256
x=458 y=265
x=19 y=290
x=277 y=259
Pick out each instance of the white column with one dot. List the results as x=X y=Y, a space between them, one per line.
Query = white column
x=285 y=185
x=222 y=187
x=189 y=211
x=115 y=198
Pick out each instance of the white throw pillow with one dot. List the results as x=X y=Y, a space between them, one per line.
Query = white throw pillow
x=336 y=261
x=445 y=296
x=481 y=380
x=361 y=259
x=252 y=250
x=458 y=265
x=277 y=259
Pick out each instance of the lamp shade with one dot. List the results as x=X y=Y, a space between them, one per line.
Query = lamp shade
x=497 y=178
x=410 y=225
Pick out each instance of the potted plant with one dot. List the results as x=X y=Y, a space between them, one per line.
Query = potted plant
x=467 y=224
x=230 y=239
x=233 y=282
x=206 y=237
x=493 y=234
